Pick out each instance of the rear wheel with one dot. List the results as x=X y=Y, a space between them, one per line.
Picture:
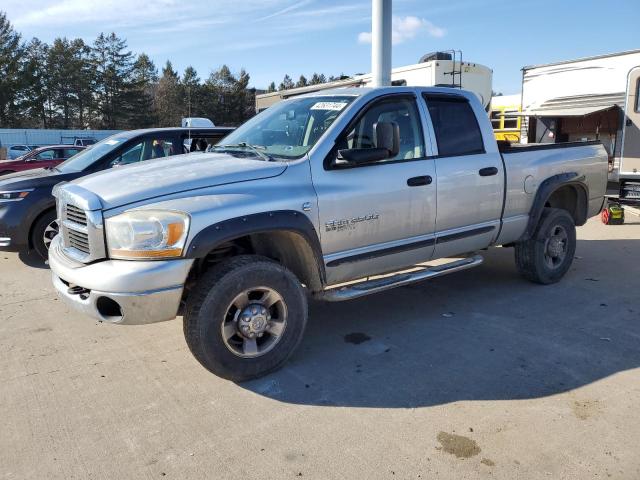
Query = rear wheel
x=548 y=254
x=245 y=317
x=45 y=228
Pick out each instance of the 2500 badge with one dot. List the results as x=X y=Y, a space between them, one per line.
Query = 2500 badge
x=349 y=223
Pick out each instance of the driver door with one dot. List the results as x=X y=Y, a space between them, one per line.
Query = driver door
x=378 y=216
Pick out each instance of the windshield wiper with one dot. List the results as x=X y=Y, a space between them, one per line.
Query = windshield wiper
x=254 y=148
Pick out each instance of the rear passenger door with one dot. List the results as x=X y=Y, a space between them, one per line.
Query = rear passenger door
x=470 y=180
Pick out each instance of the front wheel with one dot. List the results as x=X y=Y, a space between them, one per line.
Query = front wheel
x=43 y=231
x=245 y=317
x=548 y=254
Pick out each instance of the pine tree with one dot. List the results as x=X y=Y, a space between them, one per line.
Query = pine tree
x=112 y=83
x=271 y=87
x=169 y=100
x=192 y=93
x=302 y=81
x=11 y=57
x=286 y=83
x=144 y=80
x=64 y=67
x=317 y=79
x=34 y=94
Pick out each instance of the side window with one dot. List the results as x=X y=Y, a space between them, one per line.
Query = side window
x=69 y=152
x=162 y=147
x=132 y=154
x=402 y=111
x=46 y=155
x=455 y=125
x=198 y=144
x=147 y=149
x=509 y=121
x=495 y=119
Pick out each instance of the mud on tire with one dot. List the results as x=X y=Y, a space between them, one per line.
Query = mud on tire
x=245 y=317
x=548 y=254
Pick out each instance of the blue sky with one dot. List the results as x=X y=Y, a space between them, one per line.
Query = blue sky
x=272 y=37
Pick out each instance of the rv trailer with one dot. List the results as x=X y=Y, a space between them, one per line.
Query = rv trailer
x=438 y=69
x=593 y=98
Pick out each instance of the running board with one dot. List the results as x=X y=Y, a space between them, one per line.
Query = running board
x=349 y=292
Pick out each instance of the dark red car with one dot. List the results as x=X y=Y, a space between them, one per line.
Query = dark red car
x=39 y=158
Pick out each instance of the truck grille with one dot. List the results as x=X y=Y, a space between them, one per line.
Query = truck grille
x=79 y=241
x=76 y=215
x=81 y=225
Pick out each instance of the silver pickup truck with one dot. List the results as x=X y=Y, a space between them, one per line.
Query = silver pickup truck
x=333 y=195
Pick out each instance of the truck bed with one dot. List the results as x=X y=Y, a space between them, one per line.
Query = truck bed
x=528 y=165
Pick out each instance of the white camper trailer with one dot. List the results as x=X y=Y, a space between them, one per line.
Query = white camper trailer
x=593 y=98
x=446 y=69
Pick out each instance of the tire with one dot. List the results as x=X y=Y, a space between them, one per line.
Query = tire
x=548 y=254
x=220 y=324
x=43 y=231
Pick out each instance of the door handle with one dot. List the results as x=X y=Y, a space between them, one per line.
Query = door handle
x=488 y=171
x=419 y=181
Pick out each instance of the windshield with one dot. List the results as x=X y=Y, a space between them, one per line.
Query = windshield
x=85 y=158
x=288 y=129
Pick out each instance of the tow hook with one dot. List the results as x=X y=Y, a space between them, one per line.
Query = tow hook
x=78 y=290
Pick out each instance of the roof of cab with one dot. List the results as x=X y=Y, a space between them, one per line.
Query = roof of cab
x=193 y=130
x=371 y=91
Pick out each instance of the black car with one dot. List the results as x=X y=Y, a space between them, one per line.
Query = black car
x=27 y=208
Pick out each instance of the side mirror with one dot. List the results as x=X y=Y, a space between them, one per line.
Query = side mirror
x=387 y=145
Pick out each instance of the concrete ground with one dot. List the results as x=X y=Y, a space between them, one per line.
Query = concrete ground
x=476 y=375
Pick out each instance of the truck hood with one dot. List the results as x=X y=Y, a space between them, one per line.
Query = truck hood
x=120 y=186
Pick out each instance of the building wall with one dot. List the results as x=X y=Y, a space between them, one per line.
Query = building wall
x=42 y=137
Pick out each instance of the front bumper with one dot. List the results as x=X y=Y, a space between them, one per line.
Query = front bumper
x=120 y=291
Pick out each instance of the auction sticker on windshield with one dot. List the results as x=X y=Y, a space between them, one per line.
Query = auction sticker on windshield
x=329 y=106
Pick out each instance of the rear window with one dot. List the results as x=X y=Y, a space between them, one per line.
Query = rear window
x=455 y=125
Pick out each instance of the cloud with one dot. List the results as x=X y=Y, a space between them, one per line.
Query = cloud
x=406 y=28
x=364 y=37
x=284 y=10
x=136 y=13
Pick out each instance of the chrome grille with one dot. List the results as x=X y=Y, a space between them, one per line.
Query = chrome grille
x=76 y=228
x=81 y=225
x=76 y=215
x=79 y=241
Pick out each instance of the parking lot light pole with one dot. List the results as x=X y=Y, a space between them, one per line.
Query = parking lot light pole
x=381 y=42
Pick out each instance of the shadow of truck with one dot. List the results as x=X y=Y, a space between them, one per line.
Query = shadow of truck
x=484 y=334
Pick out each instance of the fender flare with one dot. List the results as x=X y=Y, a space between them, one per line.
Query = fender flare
x=544 y=192
x=258 y=223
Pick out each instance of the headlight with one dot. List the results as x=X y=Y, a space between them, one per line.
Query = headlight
x=14 y=196
x=144 y=234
